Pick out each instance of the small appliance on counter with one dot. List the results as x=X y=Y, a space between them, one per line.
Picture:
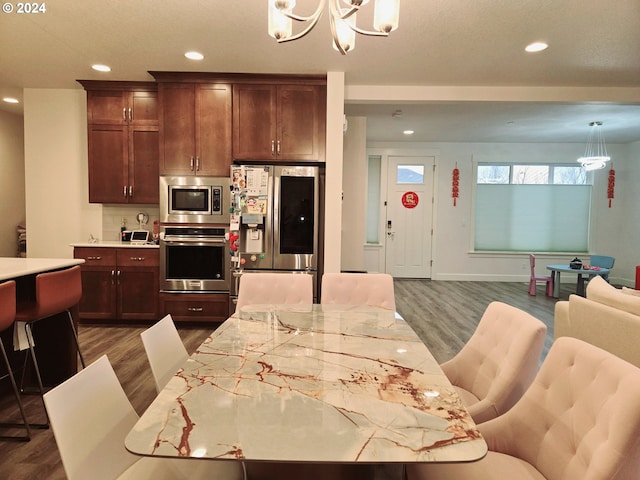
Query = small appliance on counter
x=137 y=237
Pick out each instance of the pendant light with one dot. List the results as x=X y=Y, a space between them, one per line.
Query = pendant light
x=595 y=155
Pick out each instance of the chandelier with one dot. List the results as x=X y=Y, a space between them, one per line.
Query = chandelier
x=595 y=155
x=342 y=20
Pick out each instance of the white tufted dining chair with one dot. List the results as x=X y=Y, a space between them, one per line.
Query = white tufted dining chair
x=275 y=288
x=578 y=420
x=499 y=362
x=374 y=289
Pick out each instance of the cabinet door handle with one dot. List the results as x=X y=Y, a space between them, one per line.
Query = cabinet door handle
x=191 y=164
x=94 y=258
x=197 y=164
x=195 y=309
x=137 y=259
x=131 y=190
x=278 y=150
x=124 y=190
x=130 y=115
x=118 y=275
x=113 y=276
x=273 y=147
x=124 y=114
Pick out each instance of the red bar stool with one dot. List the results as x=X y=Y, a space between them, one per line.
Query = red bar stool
x=56 y=292
x=7 y=319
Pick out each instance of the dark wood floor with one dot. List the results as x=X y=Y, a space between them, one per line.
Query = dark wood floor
x=443 y=314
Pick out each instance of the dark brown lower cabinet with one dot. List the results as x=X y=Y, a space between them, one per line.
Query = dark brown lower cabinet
x=119 y=284
x=195 y=307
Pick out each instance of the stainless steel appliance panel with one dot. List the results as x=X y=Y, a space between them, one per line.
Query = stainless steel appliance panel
x=295 y=217
x=258 y=224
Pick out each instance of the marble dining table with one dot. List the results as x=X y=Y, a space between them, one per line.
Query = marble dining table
x=310 y=383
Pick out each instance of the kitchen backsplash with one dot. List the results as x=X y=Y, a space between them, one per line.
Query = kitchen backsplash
x=112 y=216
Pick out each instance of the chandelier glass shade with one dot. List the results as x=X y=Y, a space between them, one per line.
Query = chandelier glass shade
x=595 y=155
x=342 y=20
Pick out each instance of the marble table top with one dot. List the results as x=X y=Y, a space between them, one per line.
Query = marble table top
x=304 y=383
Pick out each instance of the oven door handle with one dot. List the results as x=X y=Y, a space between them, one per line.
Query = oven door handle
x=200 y=241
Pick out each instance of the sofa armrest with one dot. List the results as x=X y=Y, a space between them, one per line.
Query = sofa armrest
x=561 y=320
x=606 y=327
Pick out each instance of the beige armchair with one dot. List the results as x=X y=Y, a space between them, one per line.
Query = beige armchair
x=578 y=420
x=374 y=289
x=499 y=361
x=275 y=288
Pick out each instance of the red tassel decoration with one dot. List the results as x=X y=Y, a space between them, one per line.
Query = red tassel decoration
x=611 y=186
x=455 y=184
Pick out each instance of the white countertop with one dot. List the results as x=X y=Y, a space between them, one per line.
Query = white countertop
x=115 y=244
x=14 y=267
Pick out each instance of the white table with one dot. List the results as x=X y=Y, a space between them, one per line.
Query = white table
x=310 y=384
x=59 y=352
x=16 y=267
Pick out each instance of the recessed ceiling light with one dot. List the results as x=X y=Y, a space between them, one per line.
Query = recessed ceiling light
x=101 y=68
x=10 y=100
x=536 y=47
x=194 y=55
x=408 y=132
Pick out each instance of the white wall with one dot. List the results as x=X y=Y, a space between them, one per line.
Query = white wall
x=626 y=206
x=333 y=171
x=354 y=180
x=453 y=227
x=12 y=197
x=57 y=208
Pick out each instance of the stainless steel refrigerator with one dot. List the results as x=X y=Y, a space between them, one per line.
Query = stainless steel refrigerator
x=275 y=213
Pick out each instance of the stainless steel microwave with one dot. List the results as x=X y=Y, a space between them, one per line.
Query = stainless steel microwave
x=194 y=199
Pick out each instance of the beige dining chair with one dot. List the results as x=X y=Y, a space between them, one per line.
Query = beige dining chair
x=374 y=289
x=91 y=415
x=578 y=420
x=275 y=288
x=165 y=350
x=500 y=360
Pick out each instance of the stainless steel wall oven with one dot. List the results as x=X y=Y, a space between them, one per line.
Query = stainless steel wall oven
x=194 y=259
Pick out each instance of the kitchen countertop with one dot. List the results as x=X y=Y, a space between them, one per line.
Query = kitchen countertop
x=115 y=244
x=14 y=267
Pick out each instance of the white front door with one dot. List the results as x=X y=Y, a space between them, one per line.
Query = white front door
x=409 y=216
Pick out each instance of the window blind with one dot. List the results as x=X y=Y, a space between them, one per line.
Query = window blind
x=541 y=218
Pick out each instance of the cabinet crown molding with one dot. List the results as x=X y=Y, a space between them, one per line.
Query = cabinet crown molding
x=236 y=78
x=118 y=85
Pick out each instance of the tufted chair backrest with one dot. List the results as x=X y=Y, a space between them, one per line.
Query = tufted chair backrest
x=275 y=288
x=373 y=289
x=499 y=361
x=580 y=419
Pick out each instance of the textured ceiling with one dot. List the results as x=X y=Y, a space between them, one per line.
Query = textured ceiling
x=439 y=42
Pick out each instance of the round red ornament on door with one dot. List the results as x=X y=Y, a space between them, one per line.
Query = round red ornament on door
x=410 y=200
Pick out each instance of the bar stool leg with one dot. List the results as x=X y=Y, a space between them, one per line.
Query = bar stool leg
x=75 y=337
x=29 y=332
x=27 y=437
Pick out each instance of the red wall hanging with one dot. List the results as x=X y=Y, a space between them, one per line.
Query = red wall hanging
x=612 y=185
x=455 y=184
